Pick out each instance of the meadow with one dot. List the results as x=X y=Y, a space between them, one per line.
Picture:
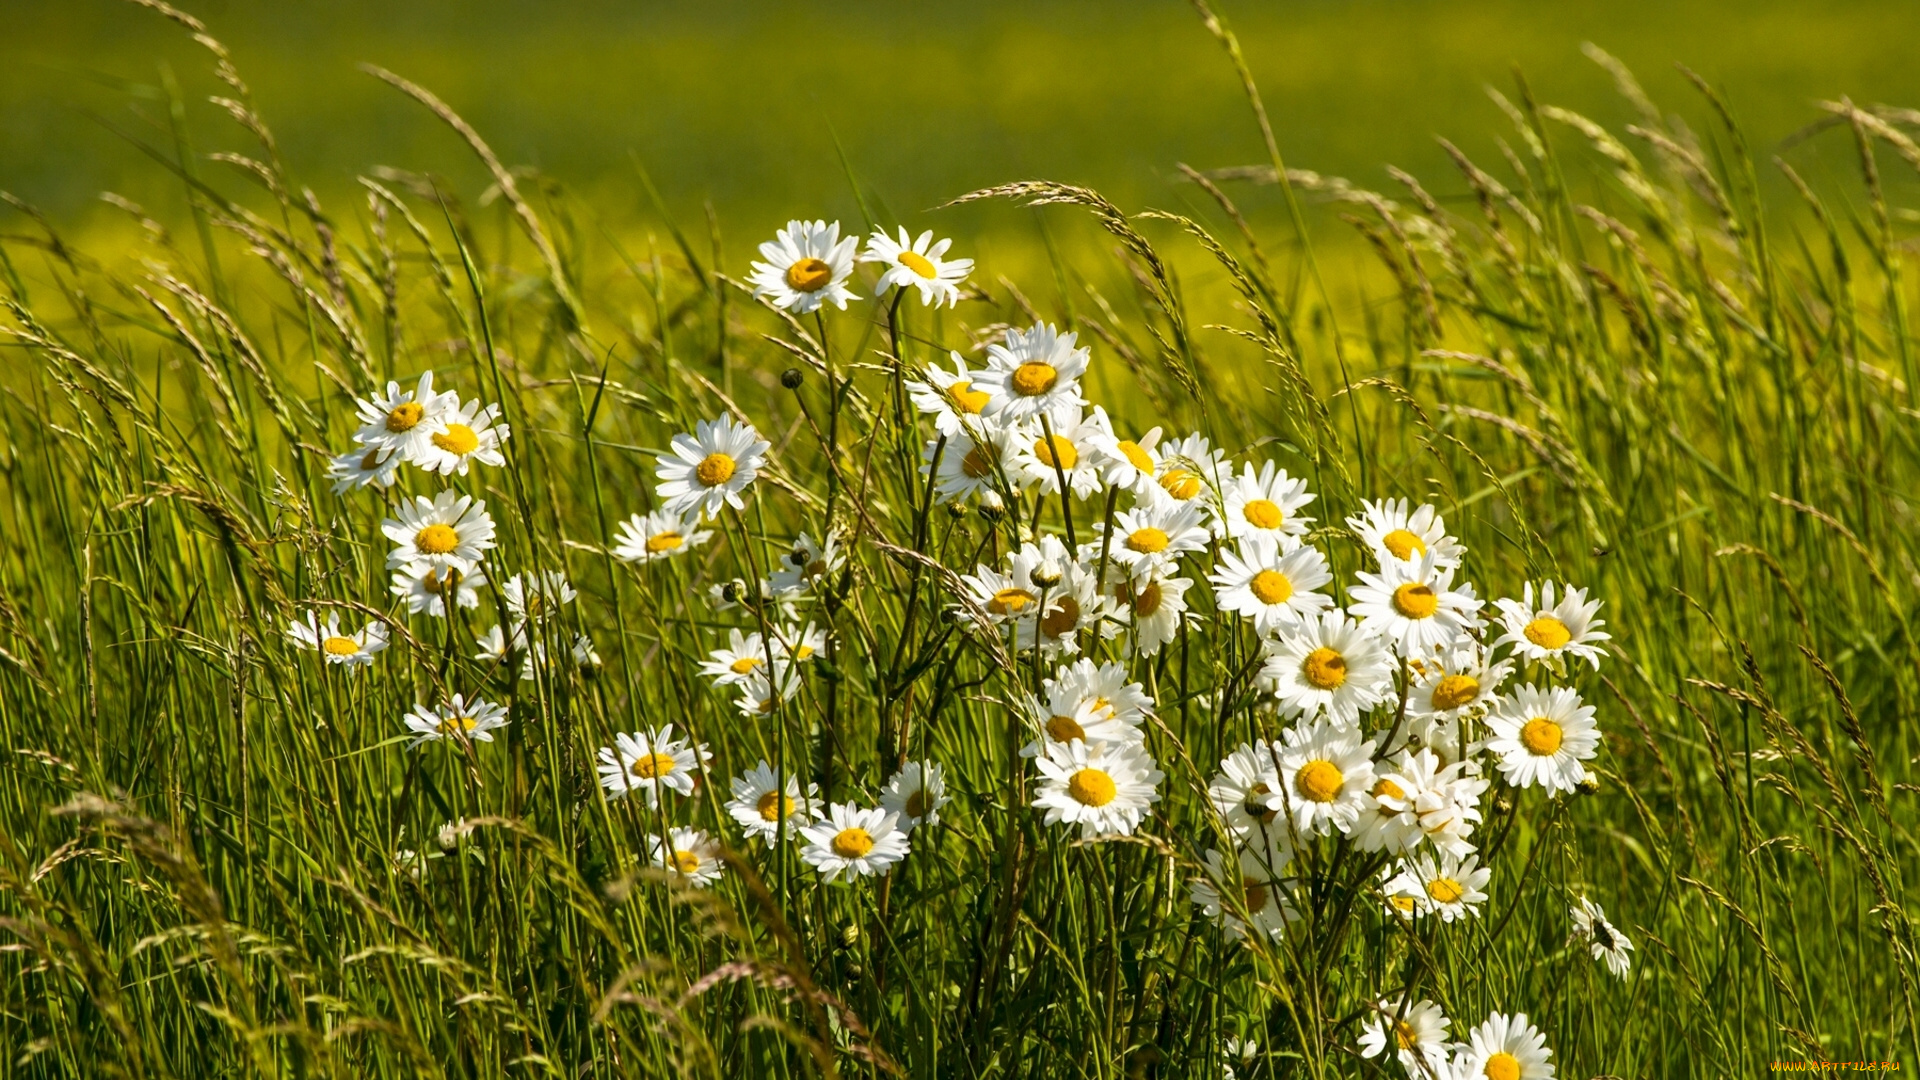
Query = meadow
x=456 y=623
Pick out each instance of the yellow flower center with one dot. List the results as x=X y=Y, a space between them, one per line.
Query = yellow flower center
x=1010 y=601
x=1033 y=378
x=1147 y=541
x=339 y=646
x=666 y=541
x=651 y=766
x=1384 y=788
x=808 y=275
x=744 y=665
x=1548 y=632
x=852 y=843
x=801 y=652
x=369 y=461
x=1271 y=587
x=1503 y=1066
x=1324 y=669
x=1445 y=890
x=1052 y=450
x=1135 y=456
x=457 y=439
x=1062 y=620
x=687 y=862
x=1255 y=804
x=1319 y=781
x=1092 y=787
x=1263 y=513
x=1180 y=484
x=1455 y=691
x=451 y=724
x=976 y=465
x=1541 y=737
x=714 y=470
x=919 y=264
x=1416 y=601
x=1404 y=1034
x=434 y=584
x=436 y=539
x=1144 y=602
x=1254 y=892
x=966 y=398
x=405 y=416
x=1064 y=728
x=773 y=806
x=1404 y=903
x=920 y=803
x=1403 y=544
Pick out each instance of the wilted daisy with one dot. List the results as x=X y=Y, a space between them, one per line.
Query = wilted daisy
x=1043 y=459
x=1542 y=736
x=973 y=466
x=1503 y=1048
x=1126 y=464
x=689 y=855
x=1397 y=536
x=645 y=538
x=853 y=840
x=647 y=761
x=949 y=397
x=1326 y=776
x=435 y=592
x=915 y=794
x=401 y=423
x=1415 y=606
x=807 y=265
x=1101 y=787
x=758 y=809
x=1153 y=607
x=447 y=532
x=807 y=565
x=1265 y=502
x=1550 y=632
x=1446 y=886
x=1035 y=371
x=456 y=719
x=918 y=263
x=336 y=646
x=1247 y=891
x=705 y=472
x=1329 y=664
x=363 y=466
x=1591 y=928
x=537 y=596
x=1271 y=586
x=1153 y=535
x=1415 y=1030
x=465 y=433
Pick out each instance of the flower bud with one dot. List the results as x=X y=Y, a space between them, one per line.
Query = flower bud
x=791 y=378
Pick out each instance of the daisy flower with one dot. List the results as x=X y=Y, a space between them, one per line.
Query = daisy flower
x=1035 y=371
x=648 y=761
x=918 y=263
x=1550 y=632
x=737 y=660
x=1043 y=459
x=336 y=646
x=1264 y=503
x=1443 y=799
x=1245 y=891
x=1190 y=468
x=1104 y=685
x=807 y=565
x=1246 y=790
x=1462 y=683
x=446 y=532
x=1270 y=585
x=585 y=656
x=456 y=719
x=537 y=596
x=1415 y=606
x=433 y=592
x=1329 y=664
x=1127 y=464
x=853 y=840
x=760 y=694
x=758 y=809
x=1609 y=945
x=807 y=266
x=1065 y=718
x=949 y=397
x=1326 y=776
x=707 y=471
x=1541 y=737
x=915 y=794
x=973 y=466
x=1417 y=1032
x=690 y=856
x=1387 y=821
x=645 y=538
x=361 y=467
x=1449 y=887
x=1503 y=1048
x=1154 y=534
x=400 y=423
x=798 y=643
x=1101 y=787
x=1154 y=608
x=464 y=434
x=1396 y=536
x=496 y=646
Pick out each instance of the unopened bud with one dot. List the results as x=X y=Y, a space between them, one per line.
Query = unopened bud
x=791 y=378
x=956 y=510
x=1046 y=575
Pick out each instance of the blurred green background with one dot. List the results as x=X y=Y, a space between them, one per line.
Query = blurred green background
x=742 y=102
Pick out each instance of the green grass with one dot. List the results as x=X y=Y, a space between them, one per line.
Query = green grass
x=1649 y=367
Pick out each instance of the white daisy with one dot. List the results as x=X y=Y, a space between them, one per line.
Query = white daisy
x=690 y=856
x=1396 y=536
x=1065 y=718
x=1101 y=787
x=737 y=660
x=1326 y=776
x=447 y=532
x=706 y=471
x=648 y=761
x=808 y=565
x=761 y=694
x=1415 y=606
x=433 y=592
x=918 y=263
x=1443 y=799
x=915 y=794
x=1246 y=791
x=1264 y=503
x=464 y=434
x=1329 y=664
x=536 y=596
x=973 y=466
x=758 y=810
x=363 y=466
x=1387 y=821
x=807 y=266
x=1549 y=631
x=853 y=840
x=1106 y=686
x=1127 y=464
x=1190 y=468
x=456 y=719
x=1462 y=683
x=496 y=647
x=585 y=656
x=336 y=646
x=1449 y=887
x=1154 y=608
x=1591 y=928
x=1503 y=1048
x=1417 y=1032
x=1250 y=893
x=401 y=423
x=1542 y=736
x=1153 y=535
x=798 y=643
x=1043 y=460
x=949 y=397
x=1036 y=371
x=645 y=538
x=1270 y=585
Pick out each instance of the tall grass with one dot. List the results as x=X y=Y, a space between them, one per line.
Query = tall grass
x=220 y=857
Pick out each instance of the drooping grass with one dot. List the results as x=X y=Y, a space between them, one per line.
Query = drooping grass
x=1696 y=404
